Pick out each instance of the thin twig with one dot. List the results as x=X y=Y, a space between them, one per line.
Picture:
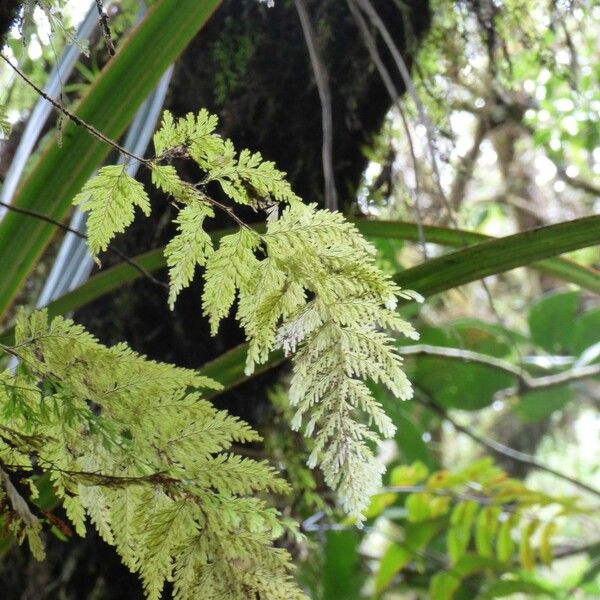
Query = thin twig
x=501 y=449
x=410 y=88
x=368 y=8
x=525 y=381
x=105 y=28
x=322 y=80
x=42 y=217
x=73 y=117
x=394 y=96
x=578 y=183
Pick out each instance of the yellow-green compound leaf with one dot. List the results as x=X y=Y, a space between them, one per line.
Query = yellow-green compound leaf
x=165 y=178
x=546 y=542
x=396 y=557
x=190 y=247
x=486 y=528
x=193 y=133
x=110 y=199
x=526 y=555
x=505 y=545
x=461 y=522
x=406 y=475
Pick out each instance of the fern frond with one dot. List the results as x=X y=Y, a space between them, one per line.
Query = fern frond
x=336 y=337
x=190 y=248
x=110 y=199
x=231 y=267
x=130 y=448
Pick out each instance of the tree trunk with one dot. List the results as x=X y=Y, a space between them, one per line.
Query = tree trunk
x=250 y=65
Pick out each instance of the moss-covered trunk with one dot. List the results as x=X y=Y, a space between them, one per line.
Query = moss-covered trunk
x=250 y=65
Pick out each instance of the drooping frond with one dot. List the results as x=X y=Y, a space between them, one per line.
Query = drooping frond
x=133 y=449
x=190 y=248
x=317 y=294
x=309 y=285
x=228 y=269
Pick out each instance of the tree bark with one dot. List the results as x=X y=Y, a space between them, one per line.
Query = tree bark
x=9 y=11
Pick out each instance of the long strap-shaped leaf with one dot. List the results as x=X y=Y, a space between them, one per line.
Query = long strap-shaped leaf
x=471 y=263
x=111 y=279
x=500 y=255
x=561 y=268
x=439 y=274
x=109 y=105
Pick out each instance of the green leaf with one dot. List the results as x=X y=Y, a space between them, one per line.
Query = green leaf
x=227 y=269
x=395 y=558
x=540 y=404
x=109 y=105
x=116 y=276
x=501 y=589
x=505 y=545
x=455 y=384
x=551 y=321
x=500 y=255
x=561 y=268
x=459 y=534
x=546 y=542
x=342 y=572
x=486 y=527
x=587 y=331
x=466 y=265
x=445 y=585
x=110 y=199
x=526 y=553
x=406 y=475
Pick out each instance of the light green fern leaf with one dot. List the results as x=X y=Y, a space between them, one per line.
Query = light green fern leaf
x=190 y=248
x=231 y=267
x=165 y=178
x=192 y=136
x=110 y=199
x=249 y=179
x=147 y=462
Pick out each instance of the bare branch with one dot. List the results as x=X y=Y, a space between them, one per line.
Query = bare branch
x=42 y=217
x=525 y=381
x=394 y=95
x=73 y=117
x=322 y=80
x=105 y=28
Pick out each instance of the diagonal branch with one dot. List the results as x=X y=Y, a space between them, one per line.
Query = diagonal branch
x=502 y=450
x=394 y=96
x=525 y=381
x=42 y=217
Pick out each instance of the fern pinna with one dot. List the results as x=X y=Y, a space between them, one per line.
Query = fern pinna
x=130 y=444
